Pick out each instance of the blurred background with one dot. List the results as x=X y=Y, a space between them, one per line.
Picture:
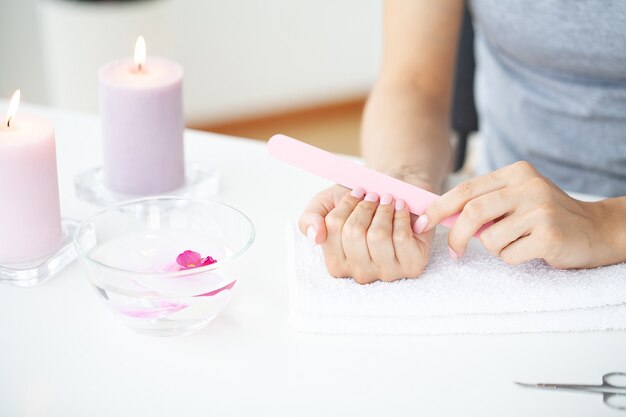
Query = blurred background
x=252 y=67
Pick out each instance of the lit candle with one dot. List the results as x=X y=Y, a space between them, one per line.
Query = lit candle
x=141 y=113
x=30 y=219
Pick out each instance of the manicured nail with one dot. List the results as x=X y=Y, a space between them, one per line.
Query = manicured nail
x=385 y=199
x=453 y=254
x=311 y=233
x=399 y=204
x=420 y=224
x=371 y=197
x=358 y=192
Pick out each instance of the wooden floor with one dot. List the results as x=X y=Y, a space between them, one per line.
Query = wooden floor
x=334 y=127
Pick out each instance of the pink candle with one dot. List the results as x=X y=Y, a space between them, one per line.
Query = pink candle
x=141 y=112
x=30 y=219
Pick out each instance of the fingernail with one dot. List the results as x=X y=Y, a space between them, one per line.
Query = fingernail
x=385 y=199
x=358 y=192
x=311 y=233
x=399 y=204
x=371 y=197
x=453 y=254
x=420 y=224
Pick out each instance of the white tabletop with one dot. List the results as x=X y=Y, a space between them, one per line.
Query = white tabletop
x=62 y=353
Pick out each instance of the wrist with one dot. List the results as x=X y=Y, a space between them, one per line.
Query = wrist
x=610 y=221
x=415 y=176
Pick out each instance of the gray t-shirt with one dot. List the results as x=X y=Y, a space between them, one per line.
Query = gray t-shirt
x=551 y=89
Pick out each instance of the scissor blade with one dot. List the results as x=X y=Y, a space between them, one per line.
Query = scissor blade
x=572 y=387
x=527 y=385
x=537 y=386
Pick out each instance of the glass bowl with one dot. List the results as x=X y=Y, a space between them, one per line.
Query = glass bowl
x=163 y=264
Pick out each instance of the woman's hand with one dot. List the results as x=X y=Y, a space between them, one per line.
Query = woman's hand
x=532 y=218
x=365 y=236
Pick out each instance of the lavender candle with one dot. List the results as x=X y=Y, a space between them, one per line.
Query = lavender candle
x=141 y=112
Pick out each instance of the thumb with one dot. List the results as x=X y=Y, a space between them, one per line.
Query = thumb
x=311 y=223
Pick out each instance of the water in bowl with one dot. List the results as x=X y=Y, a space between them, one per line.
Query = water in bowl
x=154 y=299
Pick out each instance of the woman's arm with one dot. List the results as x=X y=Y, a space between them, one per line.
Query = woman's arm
x=405 y=130
x=405 y=134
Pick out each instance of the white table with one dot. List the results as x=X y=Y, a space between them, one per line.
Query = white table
x=62 y=353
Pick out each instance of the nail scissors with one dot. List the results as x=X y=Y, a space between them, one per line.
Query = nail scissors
x=613 y=389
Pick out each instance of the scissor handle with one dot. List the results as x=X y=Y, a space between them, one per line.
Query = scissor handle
x=615 y=401
x=614 y=379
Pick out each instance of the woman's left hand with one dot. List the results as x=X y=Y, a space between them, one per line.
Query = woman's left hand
x=532 y=219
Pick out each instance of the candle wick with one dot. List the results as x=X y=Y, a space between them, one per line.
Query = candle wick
x=139 y=66
x=9 y=121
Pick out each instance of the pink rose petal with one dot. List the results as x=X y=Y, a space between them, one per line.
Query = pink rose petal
x=189 y=259
x=208 y=261
x=219 y=290
x=159 y=311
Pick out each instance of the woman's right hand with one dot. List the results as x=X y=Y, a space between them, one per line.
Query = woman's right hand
x=365 y=236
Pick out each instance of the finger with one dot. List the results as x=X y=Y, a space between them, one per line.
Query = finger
x=454 y=200
x=477 y=212
x=504 y=232
x=335 y=221
x=379 y=238
x=522 y=250
x=409 y=252
x=312 y=225
x=311 y=222
x=354 y=241
x=346 y=205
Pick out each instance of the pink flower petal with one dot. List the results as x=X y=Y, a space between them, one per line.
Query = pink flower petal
x=219 y=290
x=208 y=261
x=189 y=259
x=162 y=310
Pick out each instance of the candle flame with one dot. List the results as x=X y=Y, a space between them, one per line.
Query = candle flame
x=13 y=105
x=140 y=52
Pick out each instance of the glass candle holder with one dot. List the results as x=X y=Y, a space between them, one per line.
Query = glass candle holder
x=36 y=271
x=163 y=264
x=201 y=181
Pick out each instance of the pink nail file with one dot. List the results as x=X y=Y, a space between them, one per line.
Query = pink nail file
x=349 y=174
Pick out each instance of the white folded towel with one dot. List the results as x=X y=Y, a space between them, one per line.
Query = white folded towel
x=479 y=294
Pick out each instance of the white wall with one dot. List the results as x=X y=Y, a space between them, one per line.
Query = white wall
x=241 y=57
x=20 y=54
